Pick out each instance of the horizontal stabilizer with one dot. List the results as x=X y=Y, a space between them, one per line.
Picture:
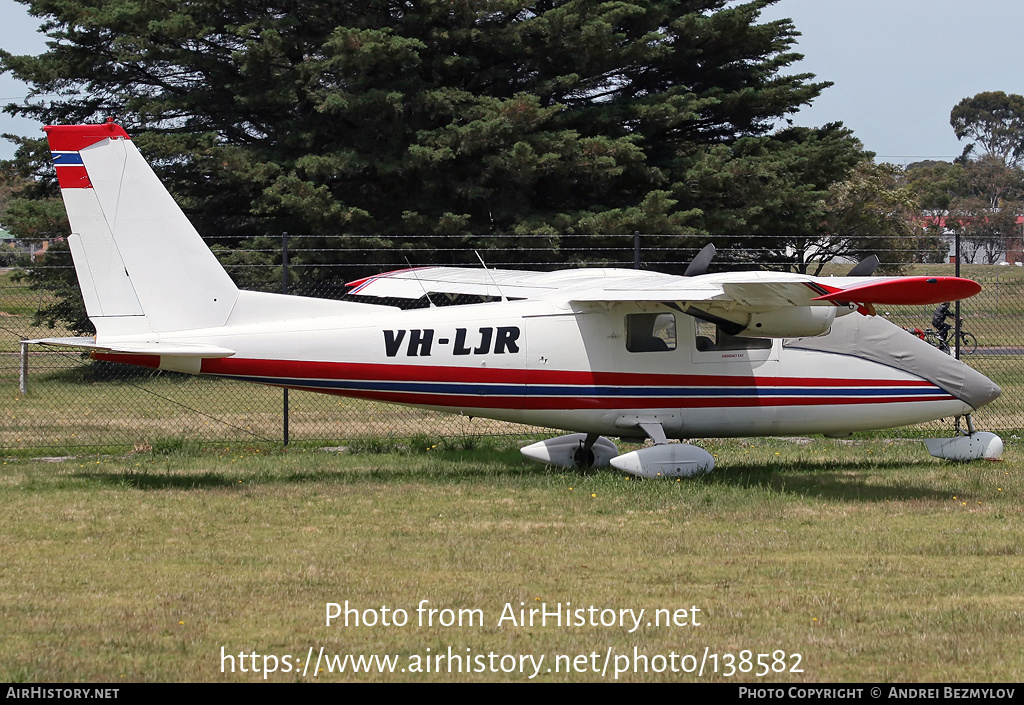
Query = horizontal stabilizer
x=905 y=291
x=170 y=349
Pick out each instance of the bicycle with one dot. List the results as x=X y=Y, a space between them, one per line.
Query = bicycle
x=968 y=343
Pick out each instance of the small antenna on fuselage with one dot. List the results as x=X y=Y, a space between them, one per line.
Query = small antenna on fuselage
x=484 y=265
x=417 y=277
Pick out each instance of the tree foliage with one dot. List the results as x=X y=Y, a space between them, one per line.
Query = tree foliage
x=984 y=208
x=426 y=125
x=980 y=196
x=777 y=186
x=995 y=121
x=873 y=212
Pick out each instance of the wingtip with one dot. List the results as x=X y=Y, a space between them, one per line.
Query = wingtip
x=906 y=291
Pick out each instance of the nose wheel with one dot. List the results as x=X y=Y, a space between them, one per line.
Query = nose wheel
x=968 y=422
x=966 y=445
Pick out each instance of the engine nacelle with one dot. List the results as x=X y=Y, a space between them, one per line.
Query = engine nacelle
x=790 y=322
x=667 y=460
x=980 y=444
x=567 y=452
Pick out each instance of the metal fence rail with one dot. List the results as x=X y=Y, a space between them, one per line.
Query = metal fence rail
x=74 y=401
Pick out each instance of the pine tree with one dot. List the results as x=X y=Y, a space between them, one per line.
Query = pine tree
x=427 y=125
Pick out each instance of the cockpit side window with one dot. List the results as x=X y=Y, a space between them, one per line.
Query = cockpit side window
x=650 y=332
x=710 y=337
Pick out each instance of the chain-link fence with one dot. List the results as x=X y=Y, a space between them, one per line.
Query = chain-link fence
x=56 y=398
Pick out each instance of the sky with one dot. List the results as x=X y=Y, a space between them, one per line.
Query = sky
x=898 y=66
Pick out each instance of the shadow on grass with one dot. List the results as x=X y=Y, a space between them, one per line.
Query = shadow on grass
x=850 y=481
x=447 y=469
x=853 y=480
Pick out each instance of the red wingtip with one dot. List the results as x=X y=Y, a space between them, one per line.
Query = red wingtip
x=72 y=138
x=906 y=291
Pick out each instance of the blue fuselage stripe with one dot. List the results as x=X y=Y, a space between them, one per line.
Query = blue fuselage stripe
x=475 y=389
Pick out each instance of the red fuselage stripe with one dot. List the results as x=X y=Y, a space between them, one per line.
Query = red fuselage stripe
x=748 y=391
x=299 y=370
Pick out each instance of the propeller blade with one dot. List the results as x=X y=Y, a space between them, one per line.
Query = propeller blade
x=865 y=268
x=699 y=264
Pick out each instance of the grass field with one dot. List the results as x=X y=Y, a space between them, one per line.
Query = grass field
x=869 y=559
x=862 y=560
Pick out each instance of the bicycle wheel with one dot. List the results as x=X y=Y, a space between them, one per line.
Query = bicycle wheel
x=968 y=343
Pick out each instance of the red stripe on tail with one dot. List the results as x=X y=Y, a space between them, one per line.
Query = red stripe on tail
x=73 y=177
x=72 y=138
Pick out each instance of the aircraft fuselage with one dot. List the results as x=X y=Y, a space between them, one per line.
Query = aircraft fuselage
x=571 y=368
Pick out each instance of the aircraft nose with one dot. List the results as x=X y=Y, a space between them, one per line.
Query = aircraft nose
x=977 y=389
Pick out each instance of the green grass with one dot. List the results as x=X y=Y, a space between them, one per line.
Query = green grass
x=18 y=299
x=18 y=306
x=872 y=560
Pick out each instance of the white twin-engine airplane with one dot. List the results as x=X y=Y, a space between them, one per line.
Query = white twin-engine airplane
x=601 y=352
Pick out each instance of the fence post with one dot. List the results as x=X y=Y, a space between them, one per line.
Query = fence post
x=636 y=249
x=284 y=290
x=956 y=315
x=23 y=370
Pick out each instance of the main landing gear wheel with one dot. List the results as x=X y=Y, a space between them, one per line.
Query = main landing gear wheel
x=577 y=450
x=583 y=457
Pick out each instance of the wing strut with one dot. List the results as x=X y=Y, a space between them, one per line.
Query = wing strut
x=655 y=430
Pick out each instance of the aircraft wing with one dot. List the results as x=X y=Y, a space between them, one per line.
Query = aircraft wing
x=414 y=283
x=770 y=290
x=747 y=290
x=906 y=291
x=512 y=284
x=751 y=290
x=776 y=304
x=596 y=284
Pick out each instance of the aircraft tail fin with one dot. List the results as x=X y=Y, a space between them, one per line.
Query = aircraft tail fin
x=141 y=265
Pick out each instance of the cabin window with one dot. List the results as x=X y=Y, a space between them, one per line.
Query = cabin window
x=650 y=332
x=710 y=337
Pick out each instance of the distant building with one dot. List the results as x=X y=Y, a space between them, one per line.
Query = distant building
x=1002 y=250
